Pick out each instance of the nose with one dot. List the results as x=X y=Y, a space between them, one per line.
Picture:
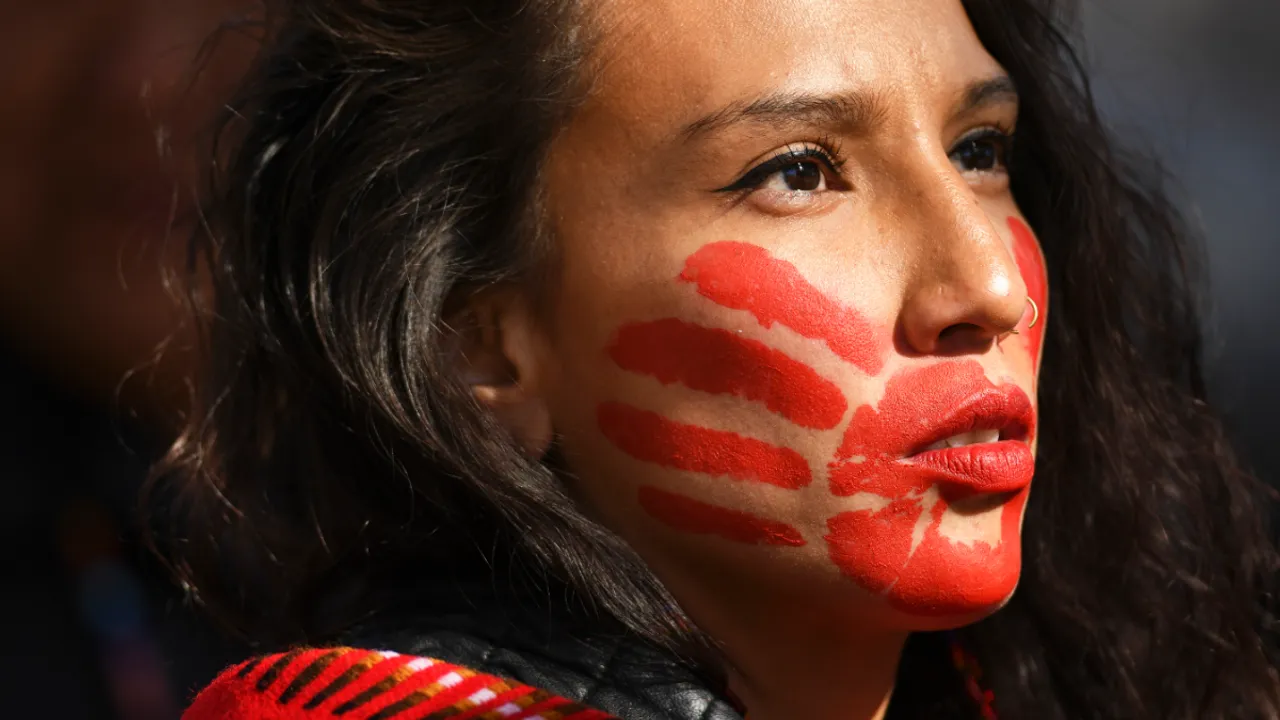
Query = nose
x=965 y=290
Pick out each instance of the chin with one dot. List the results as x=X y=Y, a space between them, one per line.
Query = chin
x=941 y=585
x=935 y=577
x=920 y=614
x=955 y=589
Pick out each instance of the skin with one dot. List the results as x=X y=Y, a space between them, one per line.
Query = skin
x=908 y=234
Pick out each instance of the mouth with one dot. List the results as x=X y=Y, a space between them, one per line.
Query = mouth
x=965 y=439
x=981 y=445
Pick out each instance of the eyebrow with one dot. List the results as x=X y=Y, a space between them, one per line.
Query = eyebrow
x=984 y=93
x=857 y=110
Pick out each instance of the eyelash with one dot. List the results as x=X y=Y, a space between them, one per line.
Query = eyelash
x=1003 y=138
x=818 y=151
x=824 y=151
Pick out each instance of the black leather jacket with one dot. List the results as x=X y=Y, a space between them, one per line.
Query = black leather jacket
x=622 y=677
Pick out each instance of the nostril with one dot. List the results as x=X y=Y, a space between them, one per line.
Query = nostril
x=960 y=329
x=963 y=338
x=951 y=332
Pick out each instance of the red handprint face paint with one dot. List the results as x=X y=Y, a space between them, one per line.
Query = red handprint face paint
x=650 y=437
x=699 y=518
x=722 y=363
x=897 y=455
x=745 y=277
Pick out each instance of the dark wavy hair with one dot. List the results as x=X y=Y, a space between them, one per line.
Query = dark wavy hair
x=385 y=159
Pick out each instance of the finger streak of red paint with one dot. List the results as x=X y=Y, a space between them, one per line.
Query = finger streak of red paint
x=652 y=438
x=1026 y=251
x=718 y=361
x=872 y=547
x=746 y=277
x=694 y=516
x=879 y=477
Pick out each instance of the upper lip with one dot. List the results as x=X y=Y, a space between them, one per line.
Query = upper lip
x=1005 y=408
x=887 y=450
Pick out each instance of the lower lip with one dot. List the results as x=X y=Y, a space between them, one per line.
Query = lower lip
x=983 y=468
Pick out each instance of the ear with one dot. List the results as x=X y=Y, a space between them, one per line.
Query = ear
x=500 y=358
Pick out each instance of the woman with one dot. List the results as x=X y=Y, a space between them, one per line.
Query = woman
x=681 y=358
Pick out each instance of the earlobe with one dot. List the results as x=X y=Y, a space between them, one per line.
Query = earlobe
x=528 y=421
x=500 y=362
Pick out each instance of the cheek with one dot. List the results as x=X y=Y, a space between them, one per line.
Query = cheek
x=747 y=285
x=721 y=362
x=688 y=433
x=694 y=517
x=746 y=277
x=736 y=385
x=651 y=438
x=1026 y=251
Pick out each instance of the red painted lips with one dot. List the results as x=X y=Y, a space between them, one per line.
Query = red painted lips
x=990 y=467
x=884 y=448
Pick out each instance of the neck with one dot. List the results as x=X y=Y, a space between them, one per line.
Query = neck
x=811 y=668
x=794 y=647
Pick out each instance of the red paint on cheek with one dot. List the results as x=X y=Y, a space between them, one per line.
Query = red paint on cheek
x=878 y=454
x=652 y=438
x=1026 y=251
x=746 y=277
x=699 y=518
x=720 y=362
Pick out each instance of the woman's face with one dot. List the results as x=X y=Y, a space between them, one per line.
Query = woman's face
x=779 y=355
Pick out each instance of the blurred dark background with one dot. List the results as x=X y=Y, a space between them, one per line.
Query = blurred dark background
x=104 y=117
x=1197 y=82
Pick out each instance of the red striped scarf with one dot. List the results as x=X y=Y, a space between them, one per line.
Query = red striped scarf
x=351 y=684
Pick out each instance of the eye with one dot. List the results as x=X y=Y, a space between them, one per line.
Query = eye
x=984 y=151
x=795 y=170
x=799 y=176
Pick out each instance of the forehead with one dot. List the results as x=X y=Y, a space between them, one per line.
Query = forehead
x=680 y=58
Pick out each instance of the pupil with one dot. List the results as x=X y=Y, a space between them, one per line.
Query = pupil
x=803 y=176
x=980 y=156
